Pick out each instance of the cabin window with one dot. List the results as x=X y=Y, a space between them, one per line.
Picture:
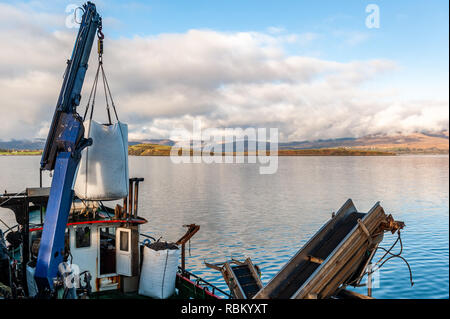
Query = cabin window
x=82 y=237
x=123 y=241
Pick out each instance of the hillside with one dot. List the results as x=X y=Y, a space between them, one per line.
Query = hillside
x=34 y=144
x=333 y=152
x=20 y=152
x=149 y=150
x=416 y=143
x=164 y=150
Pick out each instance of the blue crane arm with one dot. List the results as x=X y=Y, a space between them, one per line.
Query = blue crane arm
x=62 y=152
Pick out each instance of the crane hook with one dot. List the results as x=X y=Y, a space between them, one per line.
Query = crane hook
x=100 y=36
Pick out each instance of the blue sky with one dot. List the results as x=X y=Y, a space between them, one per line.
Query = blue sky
x=413 y=36
x=412 y=33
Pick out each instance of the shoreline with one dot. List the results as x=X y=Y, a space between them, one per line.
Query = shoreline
x=284 y=153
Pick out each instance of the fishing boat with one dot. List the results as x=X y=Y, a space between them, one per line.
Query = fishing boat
x=81 y=237
x=104 y=250
x=67 y=242
x=105 y=255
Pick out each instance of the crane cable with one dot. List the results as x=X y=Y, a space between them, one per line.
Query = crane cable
x=107 y=90
x=108 y=97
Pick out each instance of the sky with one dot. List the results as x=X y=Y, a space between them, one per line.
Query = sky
x=312 y=69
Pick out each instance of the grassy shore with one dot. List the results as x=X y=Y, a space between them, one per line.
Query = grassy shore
x=20 y=152
x=164 y=150
x=334 y=152
x=149 y=150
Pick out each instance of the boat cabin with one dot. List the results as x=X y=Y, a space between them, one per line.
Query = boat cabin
x=101 y=243
x=102 y=248
x=106 y=247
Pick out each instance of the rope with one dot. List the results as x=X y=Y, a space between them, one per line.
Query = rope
x=108 y=95
x=95 y=94
x=6 y=225
x=10 y=229
x=11 y=197
x=399 y=239
x=4 y=202
x=388 y=251
x=90 y=94
x=164 y=274
x=382 y=261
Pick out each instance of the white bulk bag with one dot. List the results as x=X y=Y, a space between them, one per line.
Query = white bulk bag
x=103 y=170
x=159 y=271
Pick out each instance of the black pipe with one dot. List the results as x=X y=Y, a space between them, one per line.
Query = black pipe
x=136 y=195
x=130 y=199
x=40 y=185
x=25 y=245
x=124 y=211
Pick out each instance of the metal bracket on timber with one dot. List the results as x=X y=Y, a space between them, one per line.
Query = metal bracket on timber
x=315 y=259
x=391 y=225
x=364 y=229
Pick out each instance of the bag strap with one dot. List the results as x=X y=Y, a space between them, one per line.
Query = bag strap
x=107 y=90
x=92 y=95
x=106 y=86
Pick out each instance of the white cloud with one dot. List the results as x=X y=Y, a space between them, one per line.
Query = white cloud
x=275 y=30
x=351 y=38
x=226 y=79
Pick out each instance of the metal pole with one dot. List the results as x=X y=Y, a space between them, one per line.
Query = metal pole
x=136 y=194
x=183 y=262
x=130 y=199
x=124 y=211
x=369 y=280
x=25 y=245
x=40 y=185
x=136 y=181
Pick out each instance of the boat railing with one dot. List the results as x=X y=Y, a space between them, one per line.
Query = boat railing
x=202 y=282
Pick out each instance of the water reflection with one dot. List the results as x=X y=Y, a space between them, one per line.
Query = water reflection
x=269 y=217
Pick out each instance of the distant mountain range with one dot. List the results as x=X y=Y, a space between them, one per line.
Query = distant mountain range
x=419 y=143
x=34 y=144
x=167 y=142
x=411 y=143
x=39 y=143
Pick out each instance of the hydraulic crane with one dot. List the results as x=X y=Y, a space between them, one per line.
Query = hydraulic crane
x=62 y=152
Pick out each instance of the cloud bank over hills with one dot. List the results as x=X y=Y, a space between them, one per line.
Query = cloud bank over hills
x=226 y=79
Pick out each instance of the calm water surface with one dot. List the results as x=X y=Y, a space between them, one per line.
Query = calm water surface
x=269 y=217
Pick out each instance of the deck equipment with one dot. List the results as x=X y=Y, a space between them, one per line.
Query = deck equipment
x=62 y=151
x=337 y=255
x=243 y=278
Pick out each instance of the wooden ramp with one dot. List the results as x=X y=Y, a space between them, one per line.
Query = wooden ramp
x=241 y=277
x=337 y=254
